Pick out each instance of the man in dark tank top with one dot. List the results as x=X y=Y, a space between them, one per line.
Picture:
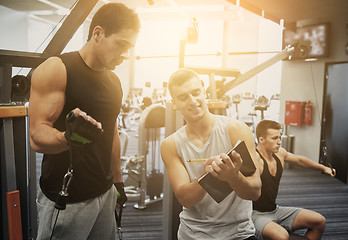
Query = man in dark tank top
x=271 y=220
x=82 y=83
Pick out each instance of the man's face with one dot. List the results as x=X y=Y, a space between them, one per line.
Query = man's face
x=112 y=50
x=272 y=140
x=189 y=98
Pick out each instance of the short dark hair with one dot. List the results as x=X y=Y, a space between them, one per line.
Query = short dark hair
x=114 y=17
x=179 y=77
x=264 y=125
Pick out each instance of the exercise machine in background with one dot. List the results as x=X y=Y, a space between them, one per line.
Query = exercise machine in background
x=144 y=182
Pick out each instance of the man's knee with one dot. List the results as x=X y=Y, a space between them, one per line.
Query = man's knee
x=309 y=219
x=320 y=222
x=317 y=222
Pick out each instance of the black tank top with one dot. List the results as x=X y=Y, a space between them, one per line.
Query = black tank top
x=270 y=186
x=99 y=94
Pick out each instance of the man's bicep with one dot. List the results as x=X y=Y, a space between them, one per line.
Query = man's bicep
x=47 y=94
x=45 y=108
x=289 y=157
x=176 y=171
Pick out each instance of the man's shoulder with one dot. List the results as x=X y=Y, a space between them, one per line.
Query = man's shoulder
x=178 y=135
x=168 y=144
x=281 y=154
x=236 y=125
x=51 y=69
x=168 y=139
x=54 y=60
x=114 y=75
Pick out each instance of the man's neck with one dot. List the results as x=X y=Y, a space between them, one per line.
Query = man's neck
x=88 y=56
x=205 y=122
x=268 y=155
x=201 y=130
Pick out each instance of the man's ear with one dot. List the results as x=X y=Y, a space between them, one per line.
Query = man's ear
x=97 y=32
x=261 y=139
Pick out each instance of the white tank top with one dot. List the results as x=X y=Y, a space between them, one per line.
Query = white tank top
x=229 y=219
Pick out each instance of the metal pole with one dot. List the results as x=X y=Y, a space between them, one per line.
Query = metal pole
x=249 y=74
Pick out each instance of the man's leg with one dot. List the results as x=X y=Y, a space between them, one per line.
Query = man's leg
x=266 y=226
x=274 y=231
x=77 y=221
x=313 y=221
x=105 y=224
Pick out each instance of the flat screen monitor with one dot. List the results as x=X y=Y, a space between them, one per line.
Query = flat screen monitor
x=317 y=34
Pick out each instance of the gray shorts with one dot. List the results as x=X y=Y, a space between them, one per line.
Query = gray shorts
x=284 y=216
x=91 y=219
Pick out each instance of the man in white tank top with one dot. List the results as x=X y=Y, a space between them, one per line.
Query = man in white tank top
x=208 y=136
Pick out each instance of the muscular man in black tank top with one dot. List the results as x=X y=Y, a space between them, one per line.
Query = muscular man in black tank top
x=83 y=82
x=273 y=221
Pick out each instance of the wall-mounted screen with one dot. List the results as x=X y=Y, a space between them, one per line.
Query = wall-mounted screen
x=318 y=35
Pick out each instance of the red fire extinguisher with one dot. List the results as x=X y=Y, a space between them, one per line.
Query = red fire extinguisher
x=308 y=113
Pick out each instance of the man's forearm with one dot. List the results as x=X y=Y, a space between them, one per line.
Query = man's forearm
x=115 y=164
x=248 y=188
x=307 y=163
x=116 y=170
x=190 y=194
x=45 y=139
